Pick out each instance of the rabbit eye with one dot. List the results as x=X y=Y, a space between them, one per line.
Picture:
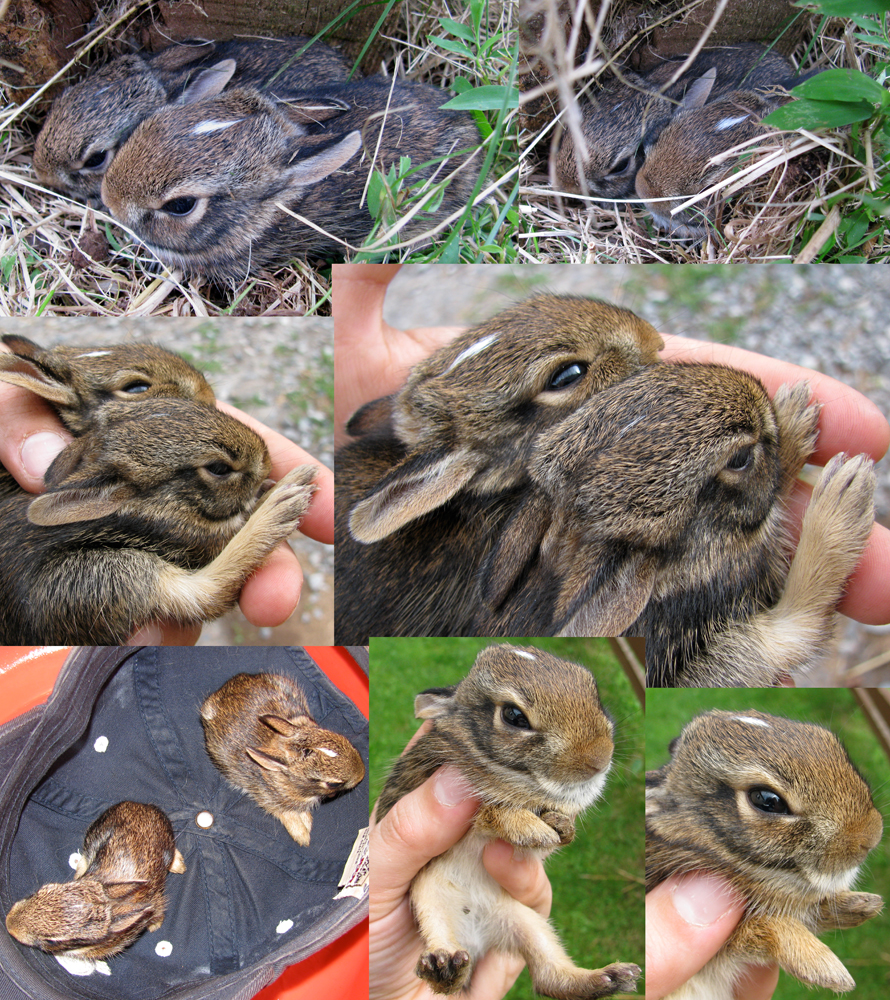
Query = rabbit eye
x=180 y=206
x=514 y=717
x=740 y=460
x=136 y=387
x=620 y=166
x=219 y=469
x=567 y=375
x=766 y=800
x=97 y=160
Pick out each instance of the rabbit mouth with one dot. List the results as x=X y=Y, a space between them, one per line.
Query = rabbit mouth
x=576 y=796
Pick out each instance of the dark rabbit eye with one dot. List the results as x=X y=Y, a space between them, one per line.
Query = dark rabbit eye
x=180 y=206
x=740 y=460
x=620 y=166
x=136 y=387
x=567 y=375
x=96 y=160
x=219 y=469
x=768 y=801
x=514 y=717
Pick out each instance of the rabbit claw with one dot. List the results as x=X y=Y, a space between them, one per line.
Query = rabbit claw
x=445 y=971
x=619 y=977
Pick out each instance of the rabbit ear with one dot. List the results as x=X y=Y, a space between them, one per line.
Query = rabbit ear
x=699 y=92
x=124 y=888
x=433 y=702
x=312 y=109
x=266 y=761
x=516 y=549
x=369 y=417
x=323 y=161
x=127 y=920
x=177 y=56
x=69 y=505
x=23 y=369
x=209 y=82
x=420 y=484
x=616 y=605
x=285 y=727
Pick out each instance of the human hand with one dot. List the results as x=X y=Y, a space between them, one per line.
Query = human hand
x=688 y=920
x=420 y=826
x=31 y=436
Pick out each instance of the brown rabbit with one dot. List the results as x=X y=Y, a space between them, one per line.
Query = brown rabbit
x=775 y=807
x=91 y=120
x=436 y=468
x=117 y=891
x=145 y=517
x=260 y=734
x=203 y=186
x=661 y=512
x=528 y=732
x=78 y=381
x=622 y=122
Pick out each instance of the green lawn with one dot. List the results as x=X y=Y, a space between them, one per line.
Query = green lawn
x=864 y=950
x=598 y=879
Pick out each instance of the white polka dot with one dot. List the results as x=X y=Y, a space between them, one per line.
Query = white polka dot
x=101 y=744
x=204 y=820
x=164 y=949
x=284 y=926
x=74 y=860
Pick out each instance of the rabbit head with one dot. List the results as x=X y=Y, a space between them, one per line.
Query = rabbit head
x=680 y=165
x=78 y=381
x=117 y=892
x=668 y=487
x=468 y=413
x=526 y=728
x=777 y=808
x=260 y=735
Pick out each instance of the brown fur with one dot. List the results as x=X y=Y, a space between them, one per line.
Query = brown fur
x=117 y=891
x=699 y=815
x=98 y=114
x=260 y=734
x=533 y=778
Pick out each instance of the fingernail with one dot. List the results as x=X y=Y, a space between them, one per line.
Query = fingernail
x=450 y=788
x=702 y=900
x=39 y=450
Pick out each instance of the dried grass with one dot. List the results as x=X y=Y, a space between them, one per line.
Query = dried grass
x=785 y=181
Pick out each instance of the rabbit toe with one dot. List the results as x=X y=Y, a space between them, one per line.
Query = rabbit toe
x=622 y=975
x=563 y=825
x=446 y=972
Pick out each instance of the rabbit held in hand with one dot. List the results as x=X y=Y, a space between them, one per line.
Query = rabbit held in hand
x=435 y=469
x=90 y=121
x=622 y=122
x=201 y=185
x=259 y=733
x=145 y=517
x=775 y=807
x=661 y=511
x=528 y=732
x=78 y=381
x=117 y=891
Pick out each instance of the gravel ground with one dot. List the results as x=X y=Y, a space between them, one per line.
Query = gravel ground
x=834 y=319
x=281 y=372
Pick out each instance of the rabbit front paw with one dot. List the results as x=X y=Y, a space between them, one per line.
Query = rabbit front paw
x=619 y=977
x=445 y=971
x=562 y=824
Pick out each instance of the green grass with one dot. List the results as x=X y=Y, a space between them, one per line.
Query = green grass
x=597 y=880
x=862 y=949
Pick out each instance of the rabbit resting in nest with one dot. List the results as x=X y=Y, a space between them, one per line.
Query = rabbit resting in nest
x=528 y=732
x=775 y=807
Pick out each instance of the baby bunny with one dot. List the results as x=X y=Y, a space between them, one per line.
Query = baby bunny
x=662 y=512
x=203 y=186
x=436 y=468
x=117 y=890
x=78 y=381
x=777 y=808
x=679 y=164
x=145 y=517
x=260 y=734
x=621 y=123
x=90 y=121
x=528 y=732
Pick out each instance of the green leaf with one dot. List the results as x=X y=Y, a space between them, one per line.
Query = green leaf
x=449 y=46
x=819 y=114
x=842 y=85
x=848 y=8
x=458 y=30
x=489 y=98
x=375 y=193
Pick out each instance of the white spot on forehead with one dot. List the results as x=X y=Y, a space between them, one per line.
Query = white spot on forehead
x=329 y=753
x=521 y=652
x=750 y=721
x=94 y=354
x=213 y=126
x=726 y=123
x=473 y=350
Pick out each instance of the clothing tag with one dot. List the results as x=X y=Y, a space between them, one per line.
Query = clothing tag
x=354 y=880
